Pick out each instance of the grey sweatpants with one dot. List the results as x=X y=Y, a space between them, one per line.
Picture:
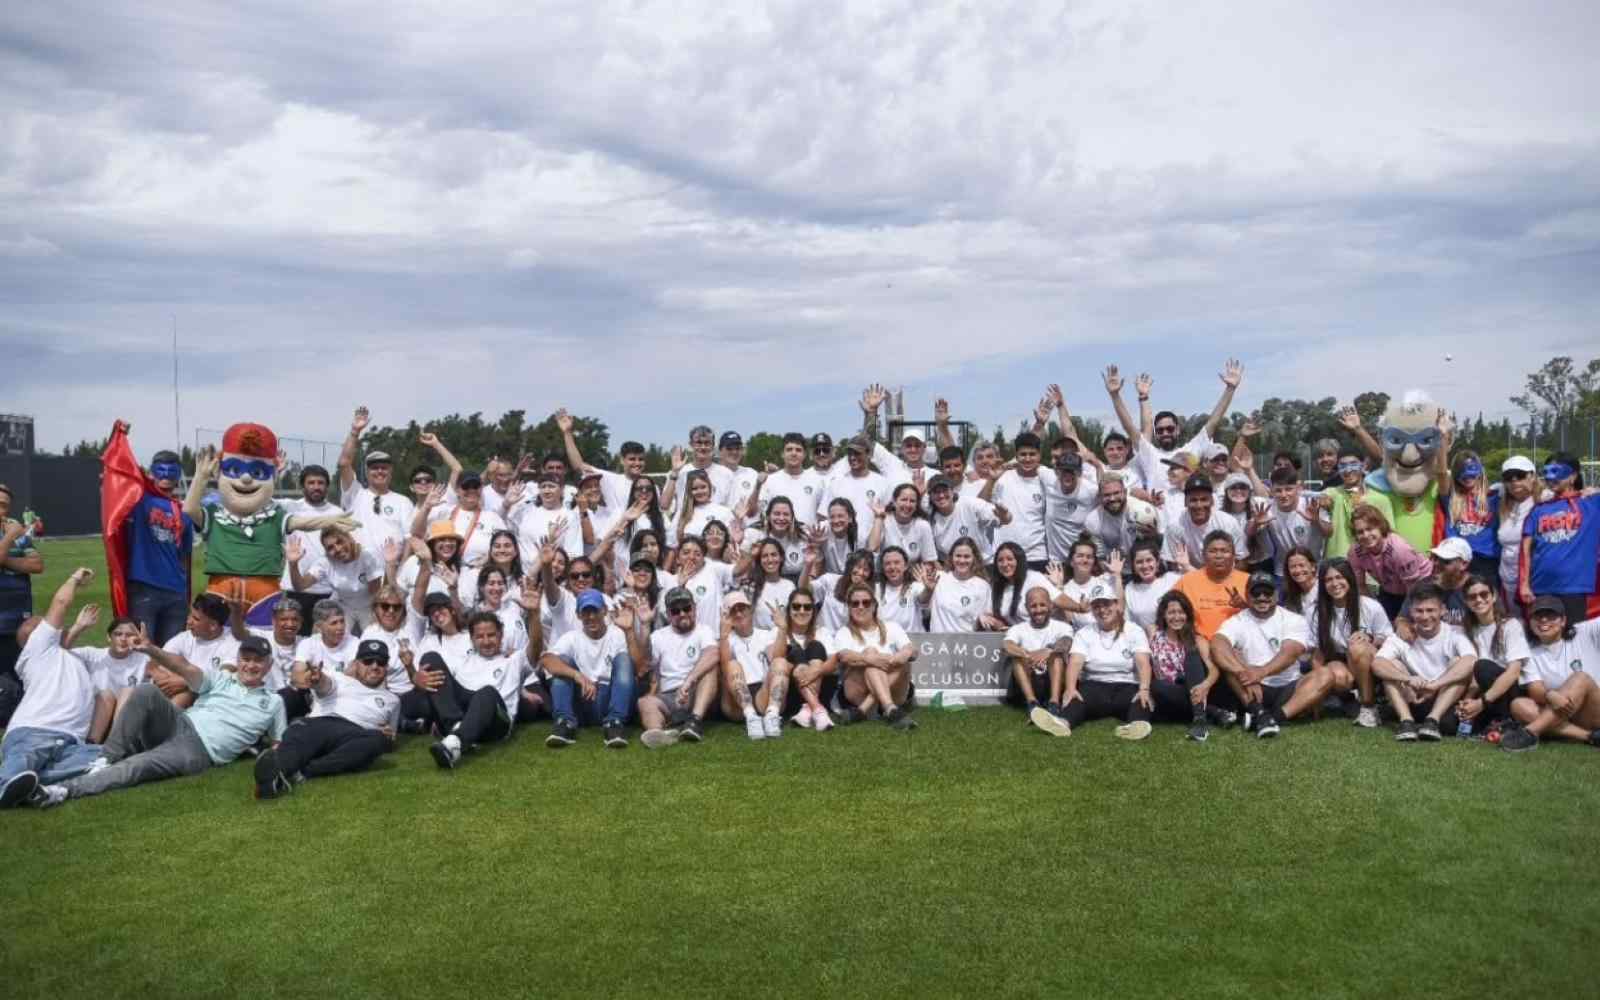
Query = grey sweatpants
x=151 y=739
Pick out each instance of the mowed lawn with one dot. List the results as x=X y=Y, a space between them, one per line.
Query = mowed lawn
x=973 y=857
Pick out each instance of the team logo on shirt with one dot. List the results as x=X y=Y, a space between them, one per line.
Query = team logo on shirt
x=912 y=546
x=808 y=491
x=387 y=509
x=1127 y=654
x=1576 y=665
x=872 y=494
x=691 y=651
x=499 y=672
x=1038 y=498
x=1299 y=531
x=962 y=531
x=701 y=590
x=966 y=601
x=1274 y=642
x=791 y=556
x=1071 y=506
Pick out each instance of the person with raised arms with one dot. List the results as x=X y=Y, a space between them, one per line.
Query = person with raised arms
x=1155 y=438
x=616 y=488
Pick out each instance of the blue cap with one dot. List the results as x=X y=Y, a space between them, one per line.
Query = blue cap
x=591 y=599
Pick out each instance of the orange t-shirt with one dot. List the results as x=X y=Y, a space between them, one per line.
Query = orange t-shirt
x=1213 y=605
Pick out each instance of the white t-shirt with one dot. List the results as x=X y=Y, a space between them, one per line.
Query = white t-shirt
x=310 y=541
x=901 y=605
x=1292 y=528
x=476 y=550
x=1080 y=591
x=451 y=648
x=772 y=592
x=1141 y=599
x=1512 y=637
x=832 y=613
x=742 y=487
x=283 y=657
x=411 y=630
x=708 y=586
x=207 y=654
x=1066 y=513
x=110 y=673
x=704 y=515
x=753 y=652
x=674 y=654
x=349 y=583
x=58 y=692
x=721 y=478
x=1111 y=532
x=1183 y=534
x=592 y=657
x=369 y=708
x=862 y=492
x=1151 y=458
x=804 y=491
x=1034 y=639
x=1258 y=640
x=1509 y=533
x=333 y=660
x=1024 y=499
x=969 y=518
x=1552 y=665
x=406 y=579
x=1374 y=621
x=533 y=524
x=1427 y=658
x=391 y=520
x=1031 y=578
x=891 y=638
x=958 y=603
x=503 y=673
x=1108 y=657
x=915 y=538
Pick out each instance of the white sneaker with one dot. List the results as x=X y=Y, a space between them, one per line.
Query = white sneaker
x=48 y=796
x=772 y=722
x=754 y=728
x=1134 y=730
x=1367 y=717
x=1044 y=719
x=802 y=718
x=655 y=739
x=821 y=721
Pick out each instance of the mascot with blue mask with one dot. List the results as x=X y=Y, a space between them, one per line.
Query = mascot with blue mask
x=1415 y=436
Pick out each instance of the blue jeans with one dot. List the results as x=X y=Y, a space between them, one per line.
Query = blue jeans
x=163 y=613
x=55 y=756
x=613 y=699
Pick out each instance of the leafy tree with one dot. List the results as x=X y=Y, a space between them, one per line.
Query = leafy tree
x=474 y=440
x=1559 y=391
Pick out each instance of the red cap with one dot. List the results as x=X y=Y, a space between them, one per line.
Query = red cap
x=250 y=440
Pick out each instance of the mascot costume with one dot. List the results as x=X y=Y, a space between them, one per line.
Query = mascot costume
x=244 y=536
x=1415 y=439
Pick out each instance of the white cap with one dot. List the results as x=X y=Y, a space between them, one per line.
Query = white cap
x=1453 y=548
x=1517 y=463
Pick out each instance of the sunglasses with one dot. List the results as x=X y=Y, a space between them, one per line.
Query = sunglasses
x=422 y=481
x=1514 y=476
x=862 y=604
x=390 y=606
x=802 y=607
x=580 y=574
x=377 y=505
x=681 y=609
x=1480 y=595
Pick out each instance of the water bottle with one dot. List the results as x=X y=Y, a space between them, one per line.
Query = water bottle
x=1464 y=730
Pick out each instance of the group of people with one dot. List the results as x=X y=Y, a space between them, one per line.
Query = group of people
x=1158 y=580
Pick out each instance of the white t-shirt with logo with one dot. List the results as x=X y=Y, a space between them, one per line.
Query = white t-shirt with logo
x=708 y=585
x=58 y=692
x=1080 y=591
x=862 y=492
x=503 y=673
x=1032 y=639
x=451 y=648
x=1291 y=528
x=207 y=654
x=957 y=603
x=1066 y=513
x=283 y=657
x=969 y=518
x=310 y=541
x=753 y=653
x=704 y=515
x=1024 y=498
x=674 y=654
x=1258 y=640
x=592 y=657
x=1512 y=637
x=1427 y=658
x=1031 y=578
x=369 y=708
x=1554 y=664
x=721 y=478
x=349 y=583
x=1140 y=599
x=391 y=520
x=411 y=630
x=1108 y=657
x=110 y=673
x=891 y=638
x=332 y=659
x=901 y=605
x=804 y=492
x=916 y=538
x=1374 y=621
x=1184 y=535
x=533 y=525
x=772 y=592
x=1151 y=459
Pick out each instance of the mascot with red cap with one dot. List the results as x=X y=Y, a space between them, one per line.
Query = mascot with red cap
x=245 y=535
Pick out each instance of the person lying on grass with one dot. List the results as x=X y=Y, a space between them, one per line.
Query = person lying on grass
x=352 y=722
x=1562 y=697
x=1428 y=674
x=153 y=739
x=1259 y=653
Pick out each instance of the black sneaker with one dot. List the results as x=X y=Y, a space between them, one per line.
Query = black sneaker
x=1199 y=731
x=1221 y=716
x=19 y=789
x=415 y=727
x=681 y=714
x=900 y=721
x=849 y=714
x=1266 y=725
x=563 y=735
x=694 y=730
x=1516 y=739
x=1406 y=732
x=1594 y=737
x=1429 y=730
x=271 y=782
x=444 y=755
x=615 y=739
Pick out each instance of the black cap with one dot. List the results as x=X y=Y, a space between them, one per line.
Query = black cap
x=1197 y=483
x=255 y=645
x=940 y=483
x=435 y=600
x=1070 y=461
x=677 y=595
x=1261 y=581
x=373 y=649
x=822 y=440
x=730 y=439
x=1550 y=603
x=469 y=481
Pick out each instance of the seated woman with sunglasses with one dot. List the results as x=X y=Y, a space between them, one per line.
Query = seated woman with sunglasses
x=1502 y=646
x=875 y=658
x=350 y=571
x=1562 y=695
x=1347 y=630
x=1561 y=543
x=813 y=673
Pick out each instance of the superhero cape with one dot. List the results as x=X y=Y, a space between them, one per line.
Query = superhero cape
x=122 y=485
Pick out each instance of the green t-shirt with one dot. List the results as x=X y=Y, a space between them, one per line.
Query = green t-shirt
x=1339 y=542
x=249 y=547
x=1414 y=522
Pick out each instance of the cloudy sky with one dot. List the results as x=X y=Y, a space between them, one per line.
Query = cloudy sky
x=661 y=213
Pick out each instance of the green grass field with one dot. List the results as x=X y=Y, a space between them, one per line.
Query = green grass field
x=972 y=857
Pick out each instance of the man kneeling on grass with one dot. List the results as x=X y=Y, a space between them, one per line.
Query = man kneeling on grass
x=591 y=675
x=1259 y=653
x=352 y=723
x=153 y=739
x=1428 y=674
x=1037 y=650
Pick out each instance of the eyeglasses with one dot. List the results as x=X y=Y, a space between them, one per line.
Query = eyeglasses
x=862 y=604
x=387 y=606
x=802 y=607
x=1480 y=595
x=580 y=574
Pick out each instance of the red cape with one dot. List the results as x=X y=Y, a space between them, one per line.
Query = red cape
x=122 y=485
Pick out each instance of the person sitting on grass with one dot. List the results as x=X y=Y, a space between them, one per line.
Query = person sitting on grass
x=1183 y=678
x=1561 y=697
x=755 y=677
x=1502 y=646
x=1108 y=671
x=352 y=723
x=1037 y=651
x=876 y=658
x=592 y=663
x=683 y=656
x=1259 y=652
x=813 y=674
x=476 y=700
x=153 y=739
x=1430 y=672
x=284 y=638
x=203 y=643
x=1347 y=628
x=47 y=738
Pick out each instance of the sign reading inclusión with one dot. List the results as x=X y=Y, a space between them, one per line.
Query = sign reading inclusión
x=970 y=665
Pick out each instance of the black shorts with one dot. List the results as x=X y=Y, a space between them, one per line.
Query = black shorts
x=1040 y=683
x=1276 y=696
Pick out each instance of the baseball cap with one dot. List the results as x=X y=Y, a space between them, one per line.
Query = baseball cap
x=255 y=646
x=859 y=443
x=1213 y=452
x=730 y=439
x=1070 y=461
x=912 y=436
x=1549 y=603
x=435 y=601
x=1236 y=479
x=821 y=440
x=469 y=481
x=1100 y=592
x=373 y=649
x=1453 y=548
x=734 y=599
x=1196 y=484
x=1182 y=460
x=591 y=600
x=1518 y=463
x=1261 y=581
x=677 y=596
x=940 y=483
x=379 y=458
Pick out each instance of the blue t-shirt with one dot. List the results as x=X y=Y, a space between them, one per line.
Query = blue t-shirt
x=1483 y=533
x=1566 y=545
x=160 y=536
x=16 y=589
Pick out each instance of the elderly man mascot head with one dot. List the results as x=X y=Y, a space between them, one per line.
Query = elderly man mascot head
x=1415 y=436
x=245 y=535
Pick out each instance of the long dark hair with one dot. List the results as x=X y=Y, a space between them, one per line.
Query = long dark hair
x=727 y=539
x=883 y=581
x=916 y=511
x=850 y=530
x=1186 y=634
x=1293 y=597
x=1497 y=612
x=658 y=524
x=1326 y=608
x=653 y=590
x=514 y=568
x=637 y=543
x=788 y=612
x=997 y=586
x=795 y=533
x=1151 y=546
x=483 y=578
x=842 y=586
x=758 y=575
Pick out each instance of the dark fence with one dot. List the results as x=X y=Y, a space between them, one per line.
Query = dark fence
x=64 y=492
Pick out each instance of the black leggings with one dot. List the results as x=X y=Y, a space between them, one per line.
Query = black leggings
x=1100 y=700
x=1172 y=697
x=1486 y=672
x=328 y=745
